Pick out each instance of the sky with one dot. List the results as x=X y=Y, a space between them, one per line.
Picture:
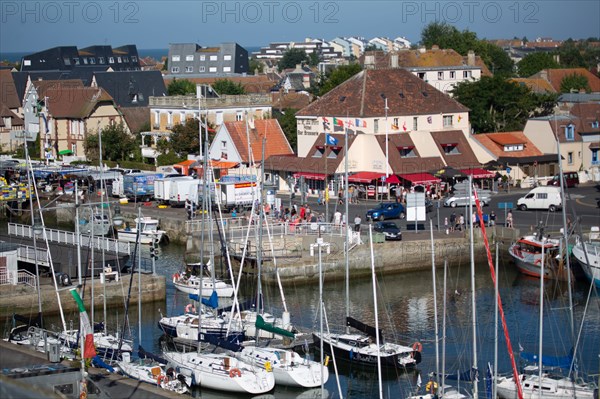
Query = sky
x=151 y=24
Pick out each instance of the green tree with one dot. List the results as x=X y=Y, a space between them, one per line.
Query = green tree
x=314 y=59
x=370 y=47
x=226 y=86
x=570 y=54
x=336 y=77
x=495 y=58
x=287 y=121
x=255 y=65
x=575 y=82
x=184 y=138
x=291 y=58
x=117 y=144
x=499 y=105
x=181 y=87
x=535 y=62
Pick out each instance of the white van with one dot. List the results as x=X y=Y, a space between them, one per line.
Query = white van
x=544 y=197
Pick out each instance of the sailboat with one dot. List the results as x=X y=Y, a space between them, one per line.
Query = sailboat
x=587 y=254
x=149 y=231
x=190 y=282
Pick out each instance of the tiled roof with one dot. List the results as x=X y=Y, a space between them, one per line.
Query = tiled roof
x=536 y=85
x=555 y=77
x=587 y=113
x=290 y=100
x=312 y=164
x=5 y=112
x=495 y=142
x=465 y=159
x=136 y=117
x=131 y=88
x=44 y=86
x=8 y=91
x=401 y=164
x=74 y=102
x=276 y=143
x=362 y=96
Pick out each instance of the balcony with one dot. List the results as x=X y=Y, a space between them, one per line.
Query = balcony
x=191 y=102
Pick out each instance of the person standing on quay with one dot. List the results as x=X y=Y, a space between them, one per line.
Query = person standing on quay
x=509 y=220
x=357 y=222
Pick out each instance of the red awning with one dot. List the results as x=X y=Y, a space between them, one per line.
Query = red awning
x=420 y=178
x=310 y=176
x=393 y=179
x=478 y=173
x=364 y=177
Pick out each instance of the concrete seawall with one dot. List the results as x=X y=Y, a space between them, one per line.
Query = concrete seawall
x=22 y=299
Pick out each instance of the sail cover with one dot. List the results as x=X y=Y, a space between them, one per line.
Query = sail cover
x=263 y=325
x=362 y=327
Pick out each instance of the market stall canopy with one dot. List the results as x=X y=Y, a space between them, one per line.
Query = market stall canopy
x=420 y=178
x=310 y=176
x=478 y=173
x=65 y=152
x=364 y=177
x=393 y=179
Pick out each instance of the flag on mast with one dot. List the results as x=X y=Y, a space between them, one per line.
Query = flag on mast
x=89 y=351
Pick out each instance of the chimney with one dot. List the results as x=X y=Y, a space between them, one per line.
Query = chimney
x=394 y=60
x=422 y=50
x=471 y=58
x=544 y=74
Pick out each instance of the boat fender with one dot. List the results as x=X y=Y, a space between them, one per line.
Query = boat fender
x=161 y=378
x=268 y=367
x=233 y=372
x=190 y=308
x=326 y=361
x=176 y=276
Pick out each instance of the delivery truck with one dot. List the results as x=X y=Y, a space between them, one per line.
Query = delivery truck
x=182 y=189
x=140 y=186
x=162 y=187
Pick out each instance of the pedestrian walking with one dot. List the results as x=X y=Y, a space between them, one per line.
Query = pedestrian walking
x=492 y=218
x=357 y=222
x=509 y=220
x=453 y=221
x=188 y=208
x=461 y=222
x=337 y=218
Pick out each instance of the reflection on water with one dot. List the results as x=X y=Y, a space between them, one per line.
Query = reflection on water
x=406 y=315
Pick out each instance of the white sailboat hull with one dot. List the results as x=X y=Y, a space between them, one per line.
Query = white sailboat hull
x=192 y=284
x=552 y=388
x=222 y=372
x=591 y=263
x=151 y=374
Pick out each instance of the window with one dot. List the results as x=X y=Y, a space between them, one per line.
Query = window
x=415 y=123
x=448 y=121
x=76 y=61
x=570 y=158
x=212 y=69
x=111 y=60
x=169 y=119
x=239 y=115
x=319 y=150
x=67 y=61
x=189 y=58
x=119 y=60
x=202 y=58
x=156 y=117
x=570 y=132
x=74 y=149
x=421 y=75
x=466 y=74
x=85 y=60
x=513 y=147
x=189 y=69
x=376 y=125
x=125 y=59
x=174 y=69
x=92 y=60
x=595 y=124
x=450 y=149
x=201 y=69
x=227 y=57
x=542 y=196
x=214 y=58
x=407 y=152
x=595 y=157
x=452 y=75
x=101 y=60
x=334 y=152
x=133 y=58
x=440 y=75
x=175 y=58
x=226 y=69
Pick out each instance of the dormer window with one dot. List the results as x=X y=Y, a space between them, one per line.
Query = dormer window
x=319 y=151
x=570 y=132
x=448 y=121
x=335 y=151
x=407 y=151
x=450 y=148
x=595 y=125
x=513 y=147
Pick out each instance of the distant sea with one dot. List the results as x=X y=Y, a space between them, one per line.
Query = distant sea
x=157 y=53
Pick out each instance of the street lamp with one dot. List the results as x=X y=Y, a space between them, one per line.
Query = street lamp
x=38 y=228
x=117 y=217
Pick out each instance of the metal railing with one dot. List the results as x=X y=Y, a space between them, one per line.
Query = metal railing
x=19 y=277
x=26 y=253
x=68 y=237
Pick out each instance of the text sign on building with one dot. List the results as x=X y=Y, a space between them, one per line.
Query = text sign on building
x=415 y=207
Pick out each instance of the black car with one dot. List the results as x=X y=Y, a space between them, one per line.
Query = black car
x=389 y=230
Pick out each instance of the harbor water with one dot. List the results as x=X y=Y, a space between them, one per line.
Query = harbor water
x=406 y=315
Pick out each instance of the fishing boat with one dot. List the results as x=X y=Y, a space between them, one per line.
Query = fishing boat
x=587 y=255
x=190 y=283
x=149 y=231
x=527 y=255
x=97 y=221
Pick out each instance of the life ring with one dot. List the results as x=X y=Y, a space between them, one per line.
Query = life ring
x=417 y=347
x=190 y=308
x=160 y=379
x=233 y=372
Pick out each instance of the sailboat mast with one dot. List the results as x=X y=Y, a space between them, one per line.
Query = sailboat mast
x=102 y=189
x=139 y=286
x=377 y=337
x=444 y=328
x=35 y=253
x=435 y=313
x=260 y=236
x=347 y=225
x=497 y=295
x=473 y=302
x=540 y=368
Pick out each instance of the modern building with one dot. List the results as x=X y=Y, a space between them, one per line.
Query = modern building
x=276 y=50
x=189 y=59
x=62 y=58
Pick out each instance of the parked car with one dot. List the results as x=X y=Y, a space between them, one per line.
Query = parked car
x=571 y=179
x=389 y=230
x=386 y=210
x=463 y=200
